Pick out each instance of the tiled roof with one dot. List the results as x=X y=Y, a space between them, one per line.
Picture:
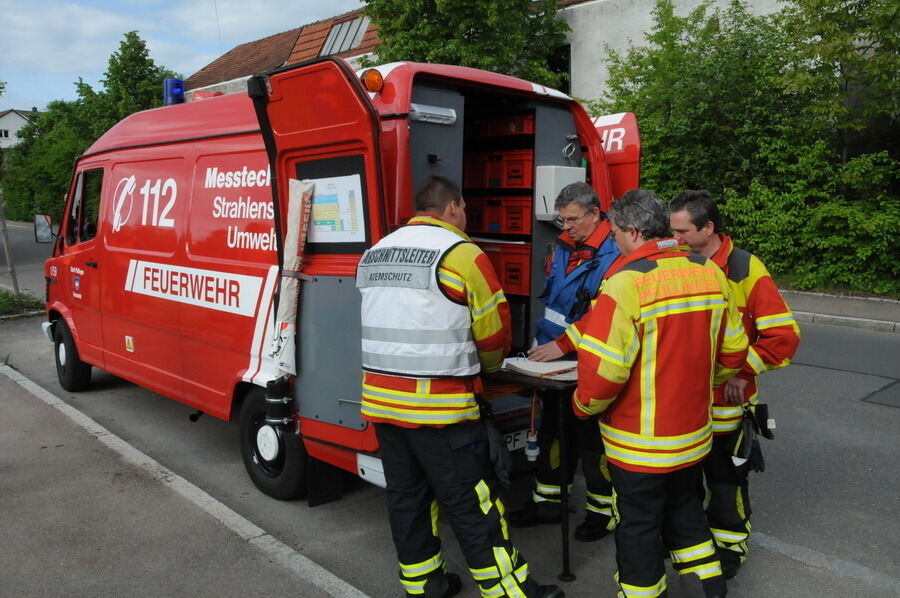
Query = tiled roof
x=310 y=41
x=290 y=47
x=247 y=59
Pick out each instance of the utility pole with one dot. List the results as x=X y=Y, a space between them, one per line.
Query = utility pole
x=6 y=249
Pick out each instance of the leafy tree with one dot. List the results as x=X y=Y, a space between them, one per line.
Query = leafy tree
x=844 y=55
x=132 y=81
x=38 y=169
x=514 y=37
x=784 y=120
x=822 y=224
x=703 y=90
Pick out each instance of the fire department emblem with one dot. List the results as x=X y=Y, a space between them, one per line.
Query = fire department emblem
x=124 y=202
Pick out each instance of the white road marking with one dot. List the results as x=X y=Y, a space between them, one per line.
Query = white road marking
x=254 y=535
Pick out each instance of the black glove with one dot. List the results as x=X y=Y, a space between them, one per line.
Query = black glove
x=761 y=415
x=747 y=445
x=757 y=463
x=500 y=457
x=746 y=435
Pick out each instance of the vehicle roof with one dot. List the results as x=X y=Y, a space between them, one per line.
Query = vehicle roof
x=234 y=113
x=223 y=115
x=399 y=76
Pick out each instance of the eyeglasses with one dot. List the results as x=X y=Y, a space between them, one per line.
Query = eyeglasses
x=571 y=221
x=612 y=232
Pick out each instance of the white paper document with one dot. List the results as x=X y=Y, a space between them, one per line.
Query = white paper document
x=565 y=370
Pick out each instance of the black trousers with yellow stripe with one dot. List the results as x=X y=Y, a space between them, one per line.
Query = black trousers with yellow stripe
x=585 y=445
x=430 y=469
x=658 y=512
x=727 y=490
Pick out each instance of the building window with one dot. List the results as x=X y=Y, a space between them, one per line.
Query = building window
x=4 y=133
x=345 y=36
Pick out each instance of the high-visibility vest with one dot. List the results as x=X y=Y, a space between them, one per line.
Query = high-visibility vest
x=409 y=327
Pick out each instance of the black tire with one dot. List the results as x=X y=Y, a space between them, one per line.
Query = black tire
x=284 y=476
x=74 y=375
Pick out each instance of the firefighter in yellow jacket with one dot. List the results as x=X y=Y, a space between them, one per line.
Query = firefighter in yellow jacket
x=433 y=319
x=774 y=337
x=664 y=331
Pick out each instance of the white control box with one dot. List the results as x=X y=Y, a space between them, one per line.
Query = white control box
x=548 y=182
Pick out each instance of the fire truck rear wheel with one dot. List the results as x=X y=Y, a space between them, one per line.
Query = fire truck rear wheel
x=74 y=374
x=283 y=474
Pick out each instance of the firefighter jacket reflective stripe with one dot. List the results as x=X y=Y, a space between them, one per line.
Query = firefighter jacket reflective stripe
x=664 y=331
x=567 y=293
x=768 y=321
x=414 y=402
x=464 y=279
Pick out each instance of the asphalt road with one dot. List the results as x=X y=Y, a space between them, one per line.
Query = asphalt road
x=825 y=511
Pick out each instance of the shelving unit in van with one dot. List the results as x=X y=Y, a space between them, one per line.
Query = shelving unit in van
x=503 y=147
x=495 y=145
x=498 y=184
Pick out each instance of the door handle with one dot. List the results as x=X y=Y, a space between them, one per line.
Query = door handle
x=91 y=264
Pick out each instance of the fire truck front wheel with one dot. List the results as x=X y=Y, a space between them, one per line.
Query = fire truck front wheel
x=74 y=374
x=274 y=456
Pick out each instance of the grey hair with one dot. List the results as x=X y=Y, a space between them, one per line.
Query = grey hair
x=642 y=211
x=580 y=193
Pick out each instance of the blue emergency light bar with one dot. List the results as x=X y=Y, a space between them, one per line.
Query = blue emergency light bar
x=173 y=91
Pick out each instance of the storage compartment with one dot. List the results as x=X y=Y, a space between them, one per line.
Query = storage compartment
x=498 y=126
x=513 y=169
x=512 y=261
x=505 y=141
x=499 y=215
x=516 y=124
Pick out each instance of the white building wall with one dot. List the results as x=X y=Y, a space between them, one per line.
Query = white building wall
x=10 y=123
x=619 y=24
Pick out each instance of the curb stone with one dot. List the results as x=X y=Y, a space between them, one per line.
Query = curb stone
x=847 y=321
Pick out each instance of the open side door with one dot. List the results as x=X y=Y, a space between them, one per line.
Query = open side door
x=621 y=142
x=318 y=124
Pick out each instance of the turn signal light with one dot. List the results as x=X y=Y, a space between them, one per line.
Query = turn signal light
x=372 y=80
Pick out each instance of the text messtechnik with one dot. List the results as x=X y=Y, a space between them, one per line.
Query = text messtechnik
x=244 y=207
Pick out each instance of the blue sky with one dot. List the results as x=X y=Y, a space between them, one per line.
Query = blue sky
x=46 y=45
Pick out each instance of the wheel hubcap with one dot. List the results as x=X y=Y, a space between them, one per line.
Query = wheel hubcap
x=61 y=354
x=267 y=443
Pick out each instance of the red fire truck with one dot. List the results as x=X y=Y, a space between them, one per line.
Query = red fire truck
x=168 y=267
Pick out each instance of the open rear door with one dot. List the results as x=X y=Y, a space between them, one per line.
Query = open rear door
x=621 y=142
x=319 y=125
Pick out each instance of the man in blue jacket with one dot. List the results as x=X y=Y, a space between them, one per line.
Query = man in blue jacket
x=581 y=257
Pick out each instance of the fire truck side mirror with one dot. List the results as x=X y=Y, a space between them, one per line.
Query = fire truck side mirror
x=43 y=228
